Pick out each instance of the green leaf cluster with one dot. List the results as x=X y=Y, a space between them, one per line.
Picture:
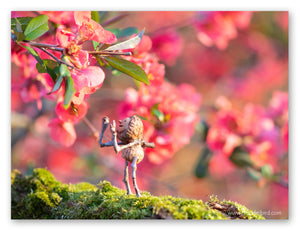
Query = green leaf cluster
x=28 y=28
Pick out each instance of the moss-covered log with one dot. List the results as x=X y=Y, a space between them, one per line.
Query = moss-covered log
x=41 y=196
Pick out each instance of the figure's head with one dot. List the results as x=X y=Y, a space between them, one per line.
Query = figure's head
x=130 y=128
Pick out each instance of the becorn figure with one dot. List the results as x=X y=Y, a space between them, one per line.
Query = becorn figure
x=132 y=144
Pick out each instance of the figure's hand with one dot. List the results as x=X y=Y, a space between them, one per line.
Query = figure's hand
x=105 y=120
x=113 y=127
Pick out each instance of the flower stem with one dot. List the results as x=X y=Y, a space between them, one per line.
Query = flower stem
x=109 y=53
x=91 y=126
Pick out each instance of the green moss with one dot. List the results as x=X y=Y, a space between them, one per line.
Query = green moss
x=40 y=195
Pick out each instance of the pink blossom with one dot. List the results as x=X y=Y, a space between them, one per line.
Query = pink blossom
x=88 y=80
x=62 y=132
x=285 y=135
x=217 y=28
x=36 y=89
x=178 y=107
x=143 y=57
x=279 y=105
x=73 y=113
x=65 y=18
x=91 y=30
x=167 y=45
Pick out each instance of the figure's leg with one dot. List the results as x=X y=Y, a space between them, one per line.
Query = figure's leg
x=126 y=180
x=133 y=166
x=105 y=123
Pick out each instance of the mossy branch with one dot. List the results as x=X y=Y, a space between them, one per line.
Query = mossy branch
x=41 y=196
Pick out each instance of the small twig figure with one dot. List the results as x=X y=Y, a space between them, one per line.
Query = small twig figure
x=130 y=133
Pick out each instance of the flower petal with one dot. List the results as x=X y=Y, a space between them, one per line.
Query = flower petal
x=62 y=132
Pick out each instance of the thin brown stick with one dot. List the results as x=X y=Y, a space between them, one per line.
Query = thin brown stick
x=91 y=126
x=108 y=53
x=114 y=20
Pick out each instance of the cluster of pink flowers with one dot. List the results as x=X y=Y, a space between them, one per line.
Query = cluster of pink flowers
x=169 y=112
x=262 y=132
x=218 y=27
x=70 y=35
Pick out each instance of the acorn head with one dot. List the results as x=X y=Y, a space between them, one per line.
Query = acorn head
x=130 y=129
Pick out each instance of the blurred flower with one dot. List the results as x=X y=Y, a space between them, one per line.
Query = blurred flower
x=251 y=128
x=217 y=28
x=143 y=57
x=65 y=18
x=167 y=45
x=62 y=132
x=170 y=113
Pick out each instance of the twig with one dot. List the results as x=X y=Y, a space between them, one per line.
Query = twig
x=91 y=126
x=113 y=20
x=56 y=59
x=109 y=53
x=48 y=46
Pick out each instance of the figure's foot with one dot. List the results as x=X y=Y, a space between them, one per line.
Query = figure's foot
x=138 y=194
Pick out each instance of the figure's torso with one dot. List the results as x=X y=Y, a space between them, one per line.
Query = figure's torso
x=134 y=151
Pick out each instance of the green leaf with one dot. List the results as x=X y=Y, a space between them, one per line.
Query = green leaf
x=201 y=169
x=158 y=114
x=48 y=67
x=22 y=21
x=95 y=44
x=57 y=84
x=69 y=92
x=267 y=171
x=36 y=27
x=95 y=16
x=64 y=70
x=69 y=84
x=142 y=117
x=241 y=158
x=128 y=68
x=128 y=44
x=255 y=175
x=121 y=33
x=128 y=31
x=34 y=54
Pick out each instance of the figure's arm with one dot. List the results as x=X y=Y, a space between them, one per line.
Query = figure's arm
x=147 y=144
x=116 y=145
x=105 y=123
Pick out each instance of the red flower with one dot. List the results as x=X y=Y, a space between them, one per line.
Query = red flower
x=167 y=46
x=88 y=29
x=148 y=61
x=171 y=115
x=62 y=132
x=73 y=113
x=91 y=30
x=217 y=28
x=88 y=80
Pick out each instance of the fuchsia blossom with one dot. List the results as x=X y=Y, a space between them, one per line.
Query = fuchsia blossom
x=143 y=57
x=177 y=107
x=167 y=45
x=88 y=29
x=63 y=132
x=253 y=128
x=65 y=18
x=217 y=28
x=73 y=114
